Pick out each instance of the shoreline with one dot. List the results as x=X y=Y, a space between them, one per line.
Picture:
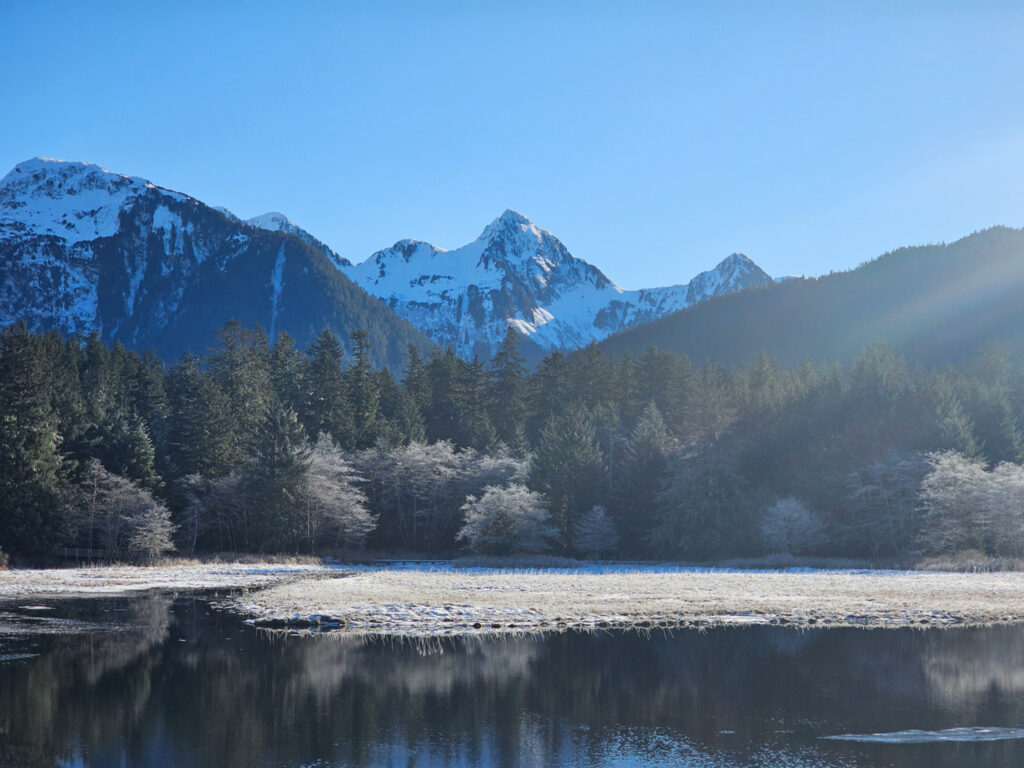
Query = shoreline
x=406 y=602
x=444 y=601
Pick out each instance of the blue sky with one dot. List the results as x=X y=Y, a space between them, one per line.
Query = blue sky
x=653 y=138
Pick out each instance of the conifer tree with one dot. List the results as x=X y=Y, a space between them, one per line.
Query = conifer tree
x=32 y=519
x=198 y=437
x=508 y=389
x=326 y=407
x=274 y=482
x=363 y=392
x=567 y=466
x=240 y=365
x=642 y=478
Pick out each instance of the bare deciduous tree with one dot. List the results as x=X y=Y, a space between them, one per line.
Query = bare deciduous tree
x=114 y=516
x=335 y=506
x=789 y=526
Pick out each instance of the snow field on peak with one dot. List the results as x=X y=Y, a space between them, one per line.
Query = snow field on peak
x=71 y=200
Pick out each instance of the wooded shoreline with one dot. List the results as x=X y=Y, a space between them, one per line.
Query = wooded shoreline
x=444 y=601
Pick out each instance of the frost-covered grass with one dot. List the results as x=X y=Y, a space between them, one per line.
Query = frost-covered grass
x=121 y=579
x=440 y=599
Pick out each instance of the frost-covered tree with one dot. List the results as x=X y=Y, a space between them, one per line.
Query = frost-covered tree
x=115 y=516
x=417 y=488
x=507 y=520
x=882 y=514
x=789 y=526
x=335 y=506
x=1004 y=523
x=953 y=504
x=595 y=533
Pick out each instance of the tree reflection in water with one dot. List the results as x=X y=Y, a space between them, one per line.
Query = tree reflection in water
x=183 y=685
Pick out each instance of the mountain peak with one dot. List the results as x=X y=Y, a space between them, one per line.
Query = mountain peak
x=514 y=224
x=74 y=201
x=736 y=259
x=65 y=174
x=273 y=220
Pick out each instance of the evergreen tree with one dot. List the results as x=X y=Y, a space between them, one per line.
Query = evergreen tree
x=363 y=392
x=32 y=518
x=198 y=435
x=326 y=407
x=240 y=364
x=508 y=390
x=567 y=467
x=273 y=484
x=288 y=373
x=643 y=475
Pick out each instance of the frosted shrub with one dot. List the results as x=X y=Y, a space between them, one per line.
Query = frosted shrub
x=507 y=520
x=789 y=526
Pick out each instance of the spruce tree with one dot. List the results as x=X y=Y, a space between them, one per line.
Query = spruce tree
x=507 y=394
x=363 y=392
x=273 y=483
x=326 y=408
x=642 y=477
x=198 y=437
x=32 y=517
x=567 y=466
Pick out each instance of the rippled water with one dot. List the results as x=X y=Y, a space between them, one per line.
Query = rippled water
x=154 y=682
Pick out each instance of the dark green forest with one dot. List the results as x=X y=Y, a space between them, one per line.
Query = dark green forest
x=934 y=304
x=268 y=448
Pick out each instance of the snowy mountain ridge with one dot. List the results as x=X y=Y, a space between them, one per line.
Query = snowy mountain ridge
x=83 y=249
x=517 y=274
x=274 y=221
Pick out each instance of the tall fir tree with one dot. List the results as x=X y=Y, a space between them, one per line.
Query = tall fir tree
x=32 y=515
x=326 y=407
x=567 y=466
x=508 y=390
x=363 y=392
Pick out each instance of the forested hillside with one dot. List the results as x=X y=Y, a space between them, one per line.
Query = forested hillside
x=935 y=304
x=262 y=448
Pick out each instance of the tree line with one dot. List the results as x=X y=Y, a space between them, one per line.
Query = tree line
x=267 y=448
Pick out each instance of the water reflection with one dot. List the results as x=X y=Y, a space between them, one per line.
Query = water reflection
x=181 y=685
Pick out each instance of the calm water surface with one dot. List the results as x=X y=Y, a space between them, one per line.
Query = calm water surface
x=183 y=685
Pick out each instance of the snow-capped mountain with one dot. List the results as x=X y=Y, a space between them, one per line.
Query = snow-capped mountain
x=278 y=222
x=83 y=249
x=516 y=274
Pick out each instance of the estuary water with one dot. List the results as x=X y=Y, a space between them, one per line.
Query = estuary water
x=158 y=681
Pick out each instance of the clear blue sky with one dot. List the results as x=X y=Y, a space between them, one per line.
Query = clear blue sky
x=653 y=138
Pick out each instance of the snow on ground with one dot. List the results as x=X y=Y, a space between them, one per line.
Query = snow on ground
x=437 y=599
x=440 y=600
x=122 y=579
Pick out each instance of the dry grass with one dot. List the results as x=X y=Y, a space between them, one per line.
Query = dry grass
x=121 y=579
x=408 y=602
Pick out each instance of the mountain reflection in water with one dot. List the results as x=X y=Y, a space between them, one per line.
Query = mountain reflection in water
x=162 y=683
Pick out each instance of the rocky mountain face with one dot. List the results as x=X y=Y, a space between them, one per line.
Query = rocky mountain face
x=516 y=274
x=278 y=222
x=83 y=249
